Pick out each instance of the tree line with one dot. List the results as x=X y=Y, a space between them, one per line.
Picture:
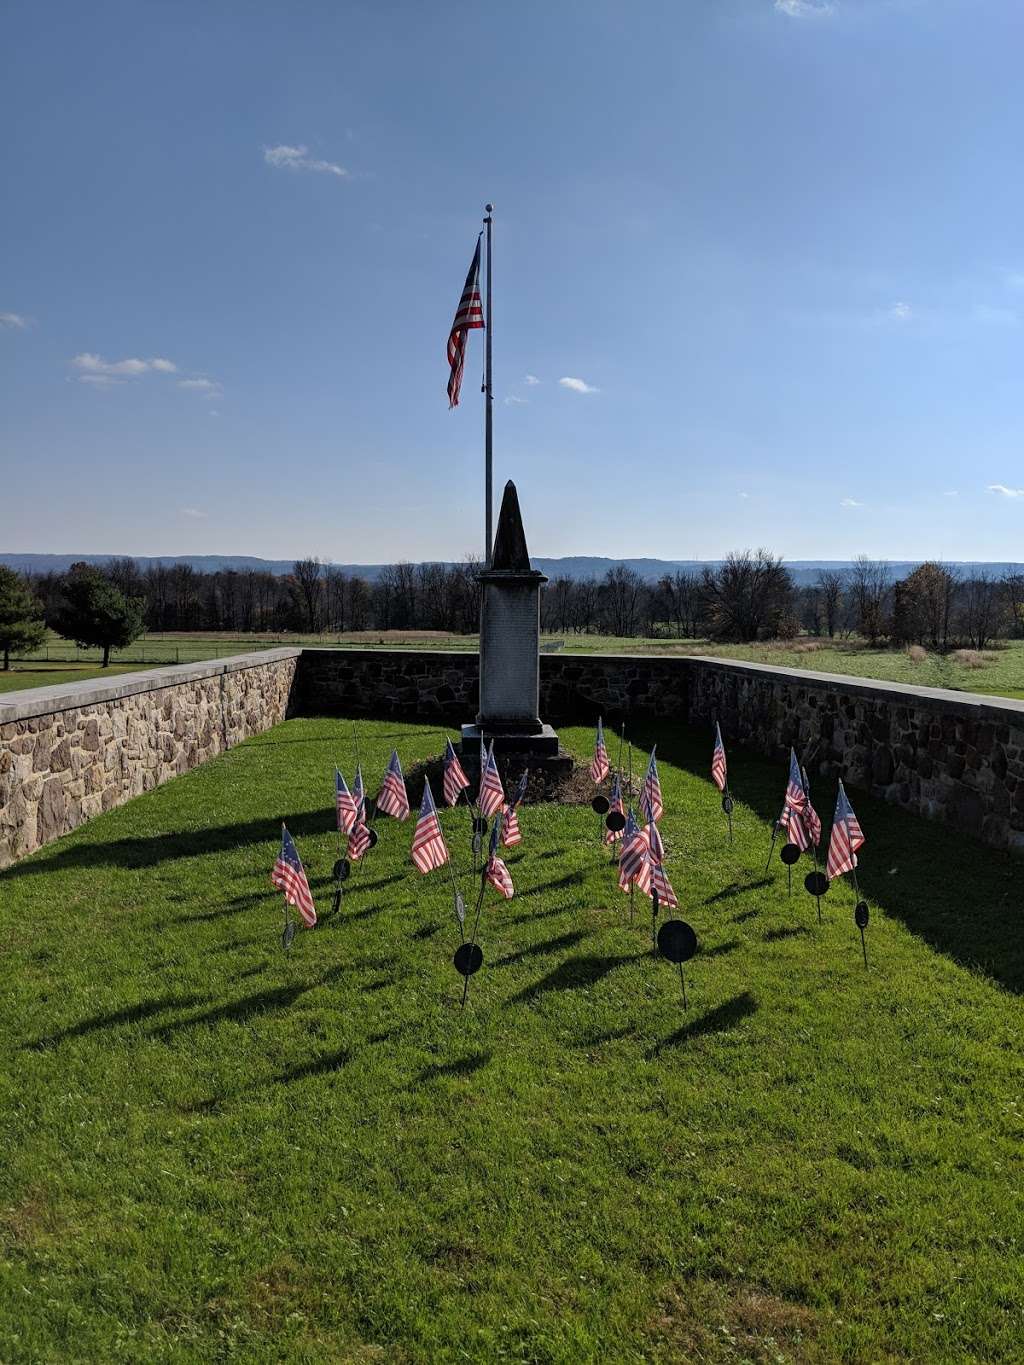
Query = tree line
x=749 y=596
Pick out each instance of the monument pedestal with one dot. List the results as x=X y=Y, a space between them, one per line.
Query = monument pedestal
x=510 y=656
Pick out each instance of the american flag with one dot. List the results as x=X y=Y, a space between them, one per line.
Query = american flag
x=289 y=876
x=811 y=817
x=497 y=873
x=358 y=790
x=652 y=788
x=659 y=877
x=794 y=806
x=510 y=831
x=429 y=850
x=614 y=804
x=359 y=839
x=393 y=798
x=599 y=765
x=634 y=860
x=345 y=804
x=492 y=793
x=718 y=766
x=455 y=780
x=847 y=837
x=468 y=315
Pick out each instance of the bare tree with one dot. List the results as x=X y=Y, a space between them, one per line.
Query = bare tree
x=869 y=588
x=830 y=586
x=308 y=575
x=749 y=597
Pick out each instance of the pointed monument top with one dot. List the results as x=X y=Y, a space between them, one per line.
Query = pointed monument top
x=510 y=553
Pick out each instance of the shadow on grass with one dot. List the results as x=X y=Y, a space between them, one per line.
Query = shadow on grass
x=720 y=949
x=559 y=884
x=719 y=1020
x=953 y=892
x=549 y=945
x=539 y=914
x=737 y=889
x=794 y=931
x=131 y=1014
x=576 y=974
x=249 y=1007
x=464 y=1066
x=320 y=1066
x=747 y=914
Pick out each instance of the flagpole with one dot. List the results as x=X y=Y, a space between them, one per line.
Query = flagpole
x=488 y=404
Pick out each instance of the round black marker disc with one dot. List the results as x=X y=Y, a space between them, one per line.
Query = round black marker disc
x=790 y=854
x=860 y=914
x=677 y=940
x=727 y=804
x=615 y=821
x=816 y=883
x=342 y=870
x=373 y=836
x=468 y=958
x=599 y=805
x=479 y=824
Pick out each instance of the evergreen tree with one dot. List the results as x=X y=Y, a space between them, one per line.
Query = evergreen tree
x=21 y=616
x=95 y=614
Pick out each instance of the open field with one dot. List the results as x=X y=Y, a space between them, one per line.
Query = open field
x=20 y=676
x=998 y=671
x=215 y=1151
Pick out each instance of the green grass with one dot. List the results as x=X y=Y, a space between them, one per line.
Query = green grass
x=21 y=676
x=215 y=1151
x=999 y=672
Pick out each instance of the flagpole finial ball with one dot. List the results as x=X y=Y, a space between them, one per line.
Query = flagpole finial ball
x=488 y=208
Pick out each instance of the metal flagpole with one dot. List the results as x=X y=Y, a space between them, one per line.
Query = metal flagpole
x=488 y=404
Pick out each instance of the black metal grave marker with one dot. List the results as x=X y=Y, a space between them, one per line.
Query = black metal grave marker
x=677 y=942
x=860 y=919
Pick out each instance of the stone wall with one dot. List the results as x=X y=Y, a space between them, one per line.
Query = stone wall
x=68 y=753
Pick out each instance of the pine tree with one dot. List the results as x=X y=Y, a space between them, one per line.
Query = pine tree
x=21 y=616
x=95 y=614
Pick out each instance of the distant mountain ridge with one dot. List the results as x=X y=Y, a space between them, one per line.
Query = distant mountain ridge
x=568 y=566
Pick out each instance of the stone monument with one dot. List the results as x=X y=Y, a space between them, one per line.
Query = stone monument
x=510 y=653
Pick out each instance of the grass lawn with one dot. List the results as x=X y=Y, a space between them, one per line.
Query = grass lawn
x=217 y=1151
x=996 y=671
x=51 y=675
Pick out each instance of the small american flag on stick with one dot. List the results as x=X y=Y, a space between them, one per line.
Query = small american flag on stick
x=289 y=876
x=496 y=873
x=455 y=780
x=659 y=877
x=615 y=804
x=393 y=799
x=468 y=315
x=634 y=860
x=651 y=792
x=359 y=839
x=511 y=835
x=847 y=837
x=429 y=850
x=345 y=804
x=794 y=806
x=492 y=793
x=599 y=765
x=719 y=769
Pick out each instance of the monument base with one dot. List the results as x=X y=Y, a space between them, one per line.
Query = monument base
x=515 y=751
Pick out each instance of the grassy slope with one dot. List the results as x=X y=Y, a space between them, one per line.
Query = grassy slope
x=1000 y=671
x=216 y=1151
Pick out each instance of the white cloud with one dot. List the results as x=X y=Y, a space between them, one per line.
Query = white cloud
x=901 y=312
x=298 y=159
x=1005 y=492
x=804 y=9
x=92 y=364
x=164 y=366
x=195 y=512
x=531 y=380
x=577 y=385
x=850 y=502
x=200 y=385
x=744 y=495
x=13 y=320
x=512 y=399
x=101 y=381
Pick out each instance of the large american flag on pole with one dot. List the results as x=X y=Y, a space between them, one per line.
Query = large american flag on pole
x=468 y=315
x=429 y=850
x=497 y=873
x=719 y=770
x=455 y=780
x=345 y=804
x=847 y=837
x=492 y=793
x=599 y=765
x=634 y=860
x=651 y=791
x=393 y=798
x=289 y=876
x=794 y=806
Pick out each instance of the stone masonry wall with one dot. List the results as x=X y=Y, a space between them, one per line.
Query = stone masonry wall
x=68 y=753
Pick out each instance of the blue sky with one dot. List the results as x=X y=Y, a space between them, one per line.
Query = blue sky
x=778 y=243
